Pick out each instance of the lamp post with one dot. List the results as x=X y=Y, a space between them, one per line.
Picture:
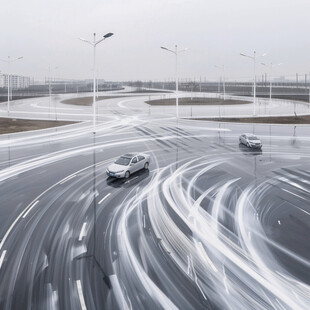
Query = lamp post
x=309 y=93
x=254 y=80
x=50 y=91
x=176 y=51
x=94 y=44
x=270 y=67
x=9 y=61
x=223 y=72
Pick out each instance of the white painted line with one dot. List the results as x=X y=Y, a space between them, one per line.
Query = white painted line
x=203 y=253
x=225 y=281
x=189 y=269
x=83 y=232
x=81 y=296
x=143 y=221
x=33 y=205
x=293 y=194
x=22 y=213
x=2 y=258
x=131 y=180
x=67 y=179
x=210 y=262
x=196 y=281
x=36 y=105
x=104 y=163
x=302 y=210
x=117 y=290
x=116 y=134
x=104 y=198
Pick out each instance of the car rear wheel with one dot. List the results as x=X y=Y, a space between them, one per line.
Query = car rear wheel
x=127 y=174
x=146 y=166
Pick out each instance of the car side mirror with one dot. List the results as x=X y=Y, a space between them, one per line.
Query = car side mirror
x=132 y=164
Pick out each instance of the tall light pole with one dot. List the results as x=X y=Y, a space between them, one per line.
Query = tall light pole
x=176 y=51
x=94 y=44
x=223 y=72
x=270 y=67
x=50 y=90
x=254 y=80
x=9 y=61
x=309 y=93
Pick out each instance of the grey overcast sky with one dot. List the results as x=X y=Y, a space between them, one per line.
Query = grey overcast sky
x=46 y=33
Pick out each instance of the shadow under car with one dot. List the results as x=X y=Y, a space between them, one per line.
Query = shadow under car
x=250 y=151
x=132 y=180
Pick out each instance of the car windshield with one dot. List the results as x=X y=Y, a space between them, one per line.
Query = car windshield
x=253 y=138
x=124 y=161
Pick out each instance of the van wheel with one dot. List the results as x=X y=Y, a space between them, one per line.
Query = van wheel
x=127 y=174
x=146 y=166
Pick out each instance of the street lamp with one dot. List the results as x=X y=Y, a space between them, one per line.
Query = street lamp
x=270 y=67
x=9 y=61
x=176 y=51
x=254 y=82
x=50 y=91
x=223 y=72
x=94 y=44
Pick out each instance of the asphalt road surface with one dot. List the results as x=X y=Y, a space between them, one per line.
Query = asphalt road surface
x=210 y=225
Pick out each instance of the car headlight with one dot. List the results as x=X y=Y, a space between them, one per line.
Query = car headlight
x=108 y=170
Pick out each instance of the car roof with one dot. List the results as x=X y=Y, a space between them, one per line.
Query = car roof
x=250 y=134
x=131 y=155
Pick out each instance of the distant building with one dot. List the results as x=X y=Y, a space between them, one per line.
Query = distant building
x=16 y=81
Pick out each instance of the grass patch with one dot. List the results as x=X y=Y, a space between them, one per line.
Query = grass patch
x=145 y=91
x=10 y=125
x=19 y=97
x=304 y=119
x=195 y=101
x=87 y=101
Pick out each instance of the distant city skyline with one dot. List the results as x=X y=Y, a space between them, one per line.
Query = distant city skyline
x=215 y=33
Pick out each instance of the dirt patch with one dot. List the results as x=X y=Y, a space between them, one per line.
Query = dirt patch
x=305 y=119
x=148 y=92
x=87 y=101
x=9 y=125
x=195 y=101
x=5 y=98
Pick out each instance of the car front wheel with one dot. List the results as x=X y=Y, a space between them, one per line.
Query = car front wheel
x=127 y=174
x=146 y=166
